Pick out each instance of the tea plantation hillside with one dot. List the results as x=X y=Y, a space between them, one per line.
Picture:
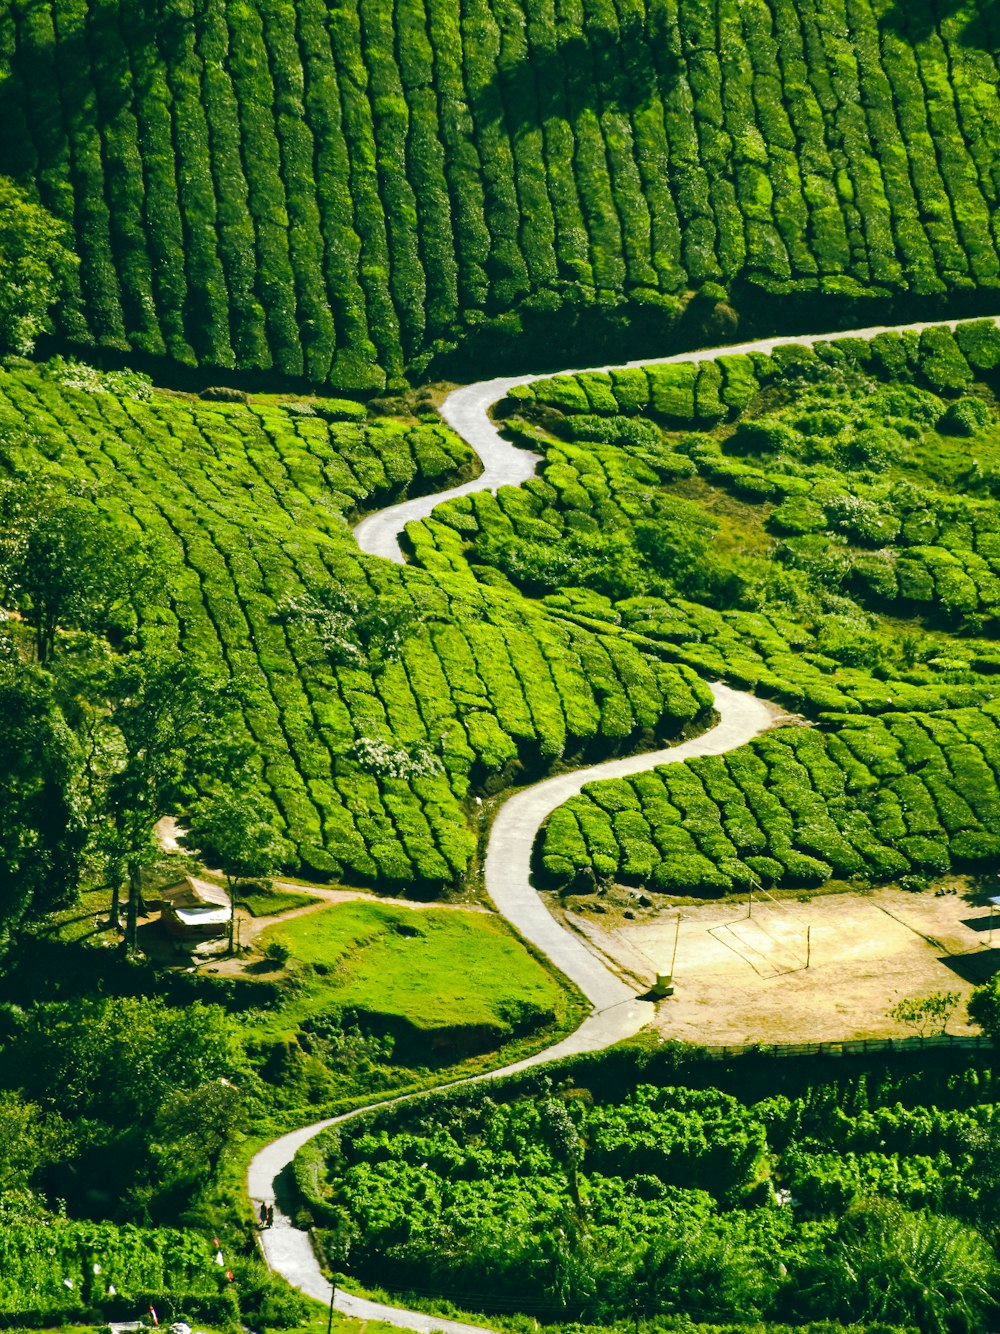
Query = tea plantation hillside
x=827 y=537
x=342 y=193
x=380 y=699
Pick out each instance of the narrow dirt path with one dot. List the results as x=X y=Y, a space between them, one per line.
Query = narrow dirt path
x=617 y=1012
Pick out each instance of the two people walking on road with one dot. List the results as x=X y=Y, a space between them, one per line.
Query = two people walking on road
x=266 y=1214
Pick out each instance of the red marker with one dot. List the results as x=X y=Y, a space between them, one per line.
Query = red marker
x=152 y=1312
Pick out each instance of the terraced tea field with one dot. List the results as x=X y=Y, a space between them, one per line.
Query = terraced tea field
x=372 y=766
x=345 y=194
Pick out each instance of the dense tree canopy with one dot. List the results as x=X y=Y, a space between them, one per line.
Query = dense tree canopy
x=35 y=262
x=67 y=565
x=43 y=836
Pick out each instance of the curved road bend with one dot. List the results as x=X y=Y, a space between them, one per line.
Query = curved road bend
x=617 y=1013
x=466 y=410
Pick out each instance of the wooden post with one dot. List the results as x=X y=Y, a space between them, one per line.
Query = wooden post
x=677 y=932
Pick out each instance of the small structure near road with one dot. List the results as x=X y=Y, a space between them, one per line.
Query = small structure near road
x=195 y=910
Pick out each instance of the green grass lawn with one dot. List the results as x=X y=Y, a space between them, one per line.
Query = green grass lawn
x=432 y=971
x=261 y=902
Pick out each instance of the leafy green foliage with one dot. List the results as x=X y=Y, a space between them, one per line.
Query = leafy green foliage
x=166 y=723
x=927 y=1014
x=72 y=567
x=60 y=1266
x=36 y=260
x=40 y=808
x=230 y=832
x=887 y=1264
x=427 y=691
x=777 y=552
x=137 y=1097
x=661 y=1200
x=341 y=199
x=984 y=1008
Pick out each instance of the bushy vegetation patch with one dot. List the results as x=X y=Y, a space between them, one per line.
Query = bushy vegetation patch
x=827 y=539
x=873 y=799
x=605 y=1198
x=71 y=1270
x=341 y=195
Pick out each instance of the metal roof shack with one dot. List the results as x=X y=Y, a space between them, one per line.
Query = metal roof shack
x=195 y=910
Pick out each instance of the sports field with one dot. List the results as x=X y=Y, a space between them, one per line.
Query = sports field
x=741 y=979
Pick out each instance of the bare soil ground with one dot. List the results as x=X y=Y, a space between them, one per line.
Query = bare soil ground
x=740 y=979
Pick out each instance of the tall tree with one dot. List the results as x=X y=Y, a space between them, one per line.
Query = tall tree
x=68 y=565
x=167 y=716
x=984 y=1008
x=35 y=260
x=230 y=830
x=41 y=832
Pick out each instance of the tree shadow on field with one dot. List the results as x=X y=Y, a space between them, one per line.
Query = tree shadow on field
x=600 y=68
x=83 y=79
x=977 y=967
x=915 y=20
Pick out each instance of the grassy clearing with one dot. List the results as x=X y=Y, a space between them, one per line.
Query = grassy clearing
x=264 y=901
x=462 y=976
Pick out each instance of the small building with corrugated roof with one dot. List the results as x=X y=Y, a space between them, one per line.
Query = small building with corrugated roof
x=195 y=909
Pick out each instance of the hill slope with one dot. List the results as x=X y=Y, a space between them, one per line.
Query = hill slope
x=340 y=192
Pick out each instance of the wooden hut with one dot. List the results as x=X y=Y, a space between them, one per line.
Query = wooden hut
x=195 y=910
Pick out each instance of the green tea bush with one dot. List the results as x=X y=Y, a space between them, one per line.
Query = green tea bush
x=965 y=417
x=379 y=698
x=345 y=201
x=658 y=1194
x=815 y=805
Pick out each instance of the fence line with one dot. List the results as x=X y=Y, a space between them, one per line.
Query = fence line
x=851 y=1047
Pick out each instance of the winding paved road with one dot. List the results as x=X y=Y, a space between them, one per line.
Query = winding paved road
x=466 y=410
x=617 y=1013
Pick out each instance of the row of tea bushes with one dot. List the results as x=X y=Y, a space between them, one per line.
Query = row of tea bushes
x=339 y=194
x=68 y=1268
x=371 y=766
x=899 y=794
x=684 y=392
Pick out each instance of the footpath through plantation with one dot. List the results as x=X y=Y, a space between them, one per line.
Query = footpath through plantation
x=816 y=524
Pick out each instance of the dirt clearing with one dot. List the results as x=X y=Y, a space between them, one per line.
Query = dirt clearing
x=744 y=979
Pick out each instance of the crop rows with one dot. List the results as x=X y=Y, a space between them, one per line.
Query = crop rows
x=63 y=1265
x=569 y=535
x=905 y=792
x=247 y=505
x=704 y=393
x=333 y=192
x=477 y=1185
